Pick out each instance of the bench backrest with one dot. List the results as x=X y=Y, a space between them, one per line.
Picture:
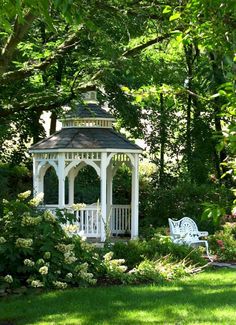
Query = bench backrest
x=183 y=227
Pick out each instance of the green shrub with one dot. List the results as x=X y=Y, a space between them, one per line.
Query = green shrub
x=35 y=250
x=223 y=242
x=136 y=251
x=182 y=200
x=13 y=180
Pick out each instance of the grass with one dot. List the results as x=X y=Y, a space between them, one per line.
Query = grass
x=207 y=298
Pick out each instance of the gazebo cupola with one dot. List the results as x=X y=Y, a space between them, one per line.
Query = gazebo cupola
x=87 y=137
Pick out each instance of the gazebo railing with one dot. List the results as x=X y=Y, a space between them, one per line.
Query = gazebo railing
x=88 y=219
x=120 y=219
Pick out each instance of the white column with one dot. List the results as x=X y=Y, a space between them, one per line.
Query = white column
x=61 y=180
x=103 y=195
x=41 y=183
x=71 y=183
x=109 y=190
x=38 y=181
x=135 y=197
x=35 y=178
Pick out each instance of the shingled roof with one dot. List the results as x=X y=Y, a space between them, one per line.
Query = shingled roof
x=88 y=111
x=85 y=138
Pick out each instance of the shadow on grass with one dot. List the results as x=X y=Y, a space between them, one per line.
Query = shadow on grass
x=198 y=301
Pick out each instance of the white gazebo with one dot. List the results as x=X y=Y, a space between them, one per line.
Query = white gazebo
x=87 y=137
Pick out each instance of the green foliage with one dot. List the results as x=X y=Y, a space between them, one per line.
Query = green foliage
x=213 y=212
x=136 y=251
x=183 y=199
x=13 y=180
x=36 y=251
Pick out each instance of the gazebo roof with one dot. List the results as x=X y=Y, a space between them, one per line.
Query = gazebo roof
x=85 y=138
x=89 y=110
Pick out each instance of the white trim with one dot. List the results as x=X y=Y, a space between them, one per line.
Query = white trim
x=87 y=127
x=46 y=163
x=65 y=150
x=87 y=119
x=75 y=163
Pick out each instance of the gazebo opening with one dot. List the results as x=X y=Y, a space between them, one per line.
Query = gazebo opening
x=50 y=187
x=122 y=185
x=87 y=186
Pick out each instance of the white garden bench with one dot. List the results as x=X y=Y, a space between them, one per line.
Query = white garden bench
x=185 y=231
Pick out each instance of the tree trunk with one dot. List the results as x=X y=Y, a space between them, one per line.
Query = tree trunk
x=58 y=76
x=189 y=61
x=162 y=139
x=219 y=79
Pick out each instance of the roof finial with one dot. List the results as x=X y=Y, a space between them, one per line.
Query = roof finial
x=90 y=97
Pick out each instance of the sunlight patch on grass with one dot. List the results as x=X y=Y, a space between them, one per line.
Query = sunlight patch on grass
x=208 y=298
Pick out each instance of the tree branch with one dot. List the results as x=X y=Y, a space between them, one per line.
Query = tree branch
x=43 y=103
x=19 y=31
x=141 y=47
x=20 y=74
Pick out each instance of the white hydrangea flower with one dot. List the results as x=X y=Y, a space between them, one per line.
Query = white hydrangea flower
x=24 y=242
x=40 y=261
x=24 y=195
x=36 y=200
x=28 y=262
x=8 y=278
x=63 y=248
x=60 y=285
x=72 y=229
x=69 y=276
x=37 y=284
x=69 y=258
x=27 y=220
x=108 y=256
x=49 y=216
x=43 y=270
x=2 y=240
x=78 y=206
x=47 y=255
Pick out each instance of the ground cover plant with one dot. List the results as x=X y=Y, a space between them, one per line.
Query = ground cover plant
x=207 y=298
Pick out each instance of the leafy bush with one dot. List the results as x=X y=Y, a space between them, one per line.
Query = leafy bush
x=36 y=251
x=136 y=251
x=13 y=180
x=181 y=200
x=223 y=242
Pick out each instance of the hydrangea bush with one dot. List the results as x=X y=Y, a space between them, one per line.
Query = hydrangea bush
x=37 y=251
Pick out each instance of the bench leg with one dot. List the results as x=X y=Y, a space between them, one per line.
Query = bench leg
x=207 y=251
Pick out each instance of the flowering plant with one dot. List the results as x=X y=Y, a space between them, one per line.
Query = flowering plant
x=223 y=242
x=36 y=251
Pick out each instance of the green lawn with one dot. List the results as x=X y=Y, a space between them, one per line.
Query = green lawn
x=207 y=298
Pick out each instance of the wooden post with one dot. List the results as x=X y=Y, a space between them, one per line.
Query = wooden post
x=103 y=195
x=109 y=191
x=35 y=178
x=71 y=181
x=135 y=197
x=61 y=180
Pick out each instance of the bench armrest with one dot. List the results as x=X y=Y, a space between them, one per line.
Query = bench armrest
x=203 y=233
